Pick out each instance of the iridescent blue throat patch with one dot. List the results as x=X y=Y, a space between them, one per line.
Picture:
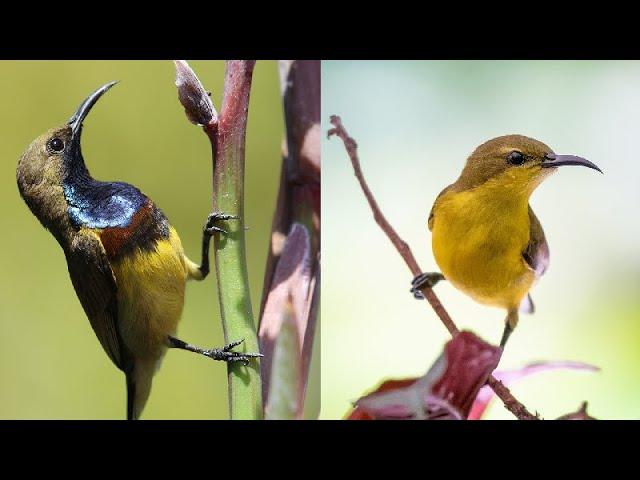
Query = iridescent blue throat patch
x=102 y=204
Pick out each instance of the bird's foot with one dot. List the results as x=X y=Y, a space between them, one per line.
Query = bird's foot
x=225 y=354
x=427 y=279
x=210 y=226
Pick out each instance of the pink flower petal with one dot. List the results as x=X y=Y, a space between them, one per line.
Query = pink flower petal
x=509 y=376
x=293 y=287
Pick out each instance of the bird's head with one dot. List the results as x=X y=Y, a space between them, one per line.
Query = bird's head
x=516 y=163
x=52 y=157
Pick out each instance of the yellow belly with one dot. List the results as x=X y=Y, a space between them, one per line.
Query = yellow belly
x=478 y=246
x=150 y=296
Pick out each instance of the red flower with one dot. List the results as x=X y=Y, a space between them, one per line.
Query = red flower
x=454 y=387
x=446 y=391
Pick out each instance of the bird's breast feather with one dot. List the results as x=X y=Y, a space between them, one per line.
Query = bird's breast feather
x=147 y=226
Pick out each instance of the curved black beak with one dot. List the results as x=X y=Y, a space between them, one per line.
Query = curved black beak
x=553 y=160
x=75 y=122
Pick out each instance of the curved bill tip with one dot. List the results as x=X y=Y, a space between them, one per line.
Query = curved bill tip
x=553 y=160
x=85 y=107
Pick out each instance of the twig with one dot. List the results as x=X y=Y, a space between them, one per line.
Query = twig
x=510 y=402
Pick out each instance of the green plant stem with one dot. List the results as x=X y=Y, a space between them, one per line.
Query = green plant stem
x=228 y=143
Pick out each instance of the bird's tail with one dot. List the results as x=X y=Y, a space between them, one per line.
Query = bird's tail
x=131 y=393
x=138 y=388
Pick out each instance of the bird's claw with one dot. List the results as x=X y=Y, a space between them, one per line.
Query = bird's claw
x=210 y=226
x=231 y=345
x=427 y=279
x=225 y=354
x=417 y=294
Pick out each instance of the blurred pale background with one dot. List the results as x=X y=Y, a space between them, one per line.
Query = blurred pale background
x=51 y=364
x=415 y=123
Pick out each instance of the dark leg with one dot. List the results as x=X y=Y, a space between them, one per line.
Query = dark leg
x=509 y=326
x=225 y=354
x=505 y=335
x=428 y=279
x=209 y=229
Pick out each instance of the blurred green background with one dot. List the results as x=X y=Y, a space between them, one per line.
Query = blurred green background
x=51 y=364
x=415 y=123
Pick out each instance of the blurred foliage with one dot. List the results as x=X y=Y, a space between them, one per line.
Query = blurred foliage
x=51 y=364
x=415 y=124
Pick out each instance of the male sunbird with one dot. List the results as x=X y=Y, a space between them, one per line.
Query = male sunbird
x=125 y=260
x=485 y=237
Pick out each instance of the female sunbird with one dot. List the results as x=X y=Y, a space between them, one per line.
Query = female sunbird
x=485 y=237
x=125 y=260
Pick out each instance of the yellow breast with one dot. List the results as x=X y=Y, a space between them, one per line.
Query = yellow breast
x=151 y=288
x=478 y=239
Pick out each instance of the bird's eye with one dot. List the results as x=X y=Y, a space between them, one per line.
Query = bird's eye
x=56 y=144
x=516 y=158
